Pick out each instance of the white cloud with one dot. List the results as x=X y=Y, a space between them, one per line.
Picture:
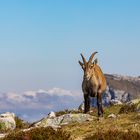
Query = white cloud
x=15 y=97
x=59 y=92
x=30 y=94
x=33 y=103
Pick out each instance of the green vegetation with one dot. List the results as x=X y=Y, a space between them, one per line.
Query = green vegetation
x=126 y=126
x=114 y=135
x=130 y=108
x=107 y=128
x=38 y=134
x=20 y=124
x=2 y=128
x=67 y=112
x=107 y=110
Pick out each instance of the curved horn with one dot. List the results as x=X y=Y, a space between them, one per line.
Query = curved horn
x=84 y=60
x=91 y=57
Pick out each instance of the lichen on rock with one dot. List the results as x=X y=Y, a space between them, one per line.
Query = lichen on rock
x=63 y=120
x=7 y=121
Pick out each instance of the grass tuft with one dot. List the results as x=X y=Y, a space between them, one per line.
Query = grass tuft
x=114 y=135
x=128 y=108
x=20 y=124
x=38 y=134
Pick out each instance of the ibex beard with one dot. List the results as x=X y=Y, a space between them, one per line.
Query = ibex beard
x=94 y=83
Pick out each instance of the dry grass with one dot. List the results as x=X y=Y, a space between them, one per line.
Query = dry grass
x=114 y=135
x=128 y=108
x=67 y=112
x=125 y=127
x=38 y=134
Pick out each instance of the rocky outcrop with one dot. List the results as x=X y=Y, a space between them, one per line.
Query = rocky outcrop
x=7 y=121
x=126 y=84
x=81 y=107
x=115 y=102
x=112 y=94
x=132 y=106
x=51 y=115
x=63 y=120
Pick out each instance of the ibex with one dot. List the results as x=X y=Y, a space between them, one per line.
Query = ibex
x=94 y=83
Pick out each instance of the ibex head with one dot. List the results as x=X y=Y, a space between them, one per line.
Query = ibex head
x=88 y=67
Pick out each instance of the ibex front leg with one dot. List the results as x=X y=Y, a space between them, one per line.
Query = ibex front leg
x=99 y=104
x=86 y=103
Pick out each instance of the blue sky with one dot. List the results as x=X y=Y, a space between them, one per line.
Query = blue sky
x=41 y=41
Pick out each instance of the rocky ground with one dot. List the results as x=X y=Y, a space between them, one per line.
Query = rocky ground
x=119 y=122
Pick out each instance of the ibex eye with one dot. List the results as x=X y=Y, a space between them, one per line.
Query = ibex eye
x=91 y=66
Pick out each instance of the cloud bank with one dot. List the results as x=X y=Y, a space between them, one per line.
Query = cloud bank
x=33 y=105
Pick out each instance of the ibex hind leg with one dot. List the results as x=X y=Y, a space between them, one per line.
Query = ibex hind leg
x=86 y=103
x=99 y=104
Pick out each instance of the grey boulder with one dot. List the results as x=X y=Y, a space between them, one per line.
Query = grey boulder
x=63 y=120
x=7 y=121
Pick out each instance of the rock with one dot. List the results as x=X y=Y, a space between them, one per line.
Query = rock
x=135 y=101
x=63 y=120
x=126 y=97
x=135 y=125
x=51 y=115
x=126 y=131
x=27 y=129
x=2 y=135
x=81 y=107
x=135 y=104
x=112 y=116
x=115 y=102
x=7 y=121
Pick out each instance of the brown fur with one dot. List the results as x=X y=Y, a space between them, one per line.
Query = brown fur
x=94 y=83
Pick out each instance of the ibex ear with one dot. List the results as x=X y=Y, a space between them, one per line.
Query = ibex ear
x=95 y=61
x=81 y=64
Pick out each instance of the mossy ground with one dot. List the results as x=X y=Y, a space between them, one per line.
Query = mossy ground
x=125 y=127
x=38 y=134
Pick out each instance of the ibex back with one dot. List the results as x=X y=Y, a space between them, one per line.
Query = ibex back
x=94 y=83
